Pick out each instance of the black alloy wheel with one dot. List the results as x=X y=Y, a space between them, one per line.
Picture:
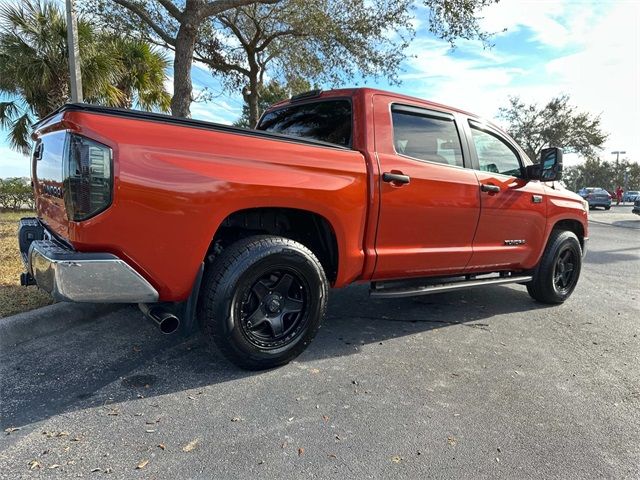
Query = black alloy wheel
x=558 y=271
x=564 y=272
x=272 y=310
x=262 y=301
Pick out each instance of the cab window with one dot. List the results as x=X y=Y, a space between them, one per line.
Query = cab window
x=494 y=155
x=327 y=121
x=431 y=138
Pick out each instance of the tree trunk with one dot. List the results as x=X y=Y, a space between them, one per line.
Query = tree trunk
x=182 y=87
x=253 y=96
x=254 y=111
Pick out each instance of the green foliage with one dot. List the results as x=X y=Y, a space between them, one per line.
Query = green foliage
x=34 y=73
x=595 y=172
x=271 y=93
x=16 y=194
x=556 y=124
x=328 y=42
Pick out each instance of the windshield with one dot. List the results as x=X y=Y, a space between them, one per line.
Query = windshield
x=327 y=121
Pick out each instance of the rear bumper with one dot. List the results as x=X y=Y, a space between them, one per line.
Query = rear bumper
x=78 y=277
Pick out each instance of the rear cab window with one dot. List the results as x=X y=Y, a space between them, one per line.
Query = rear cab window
x=426 y=135
x=326 y=121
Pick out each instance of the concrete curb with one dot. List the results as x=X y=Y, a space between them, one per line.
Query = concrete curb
x=43 y=321
x=614 y=225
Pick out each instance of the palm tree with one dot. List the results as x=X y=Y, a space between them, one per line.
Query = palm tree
x=34 y=73
x=142 y=74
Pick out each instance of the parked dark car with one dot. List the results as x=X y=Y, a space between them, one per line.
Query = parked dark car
x=631 y=196
x=636 y=206
x=596 y=196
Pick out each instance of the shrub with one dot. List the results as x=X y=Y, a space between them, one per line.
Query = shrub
x=16 y=194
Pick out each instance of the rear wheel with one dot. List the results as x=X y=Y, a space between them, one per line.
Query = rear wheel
x=607 y=207
x=557 y=274
x=262 y=301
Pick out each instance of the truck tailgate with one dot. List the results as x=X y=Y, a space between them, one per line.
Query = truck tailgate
x=47 y=175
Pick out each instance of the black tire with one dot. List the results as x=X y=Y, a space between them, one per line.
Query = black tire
x=284 y=286
x=557 y=274
x=608 y=208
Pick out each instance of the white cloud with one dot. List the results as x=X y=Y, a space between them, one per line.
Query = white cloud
x=584 y=49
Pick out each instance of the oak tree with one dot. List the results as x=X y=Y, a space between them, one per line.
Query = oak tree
x=557 y=123
x=171 y=23
x=327 y=42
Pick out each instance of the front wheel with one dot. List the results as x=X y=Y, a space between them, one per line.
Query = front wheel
x=262 y=301
x=557 y=274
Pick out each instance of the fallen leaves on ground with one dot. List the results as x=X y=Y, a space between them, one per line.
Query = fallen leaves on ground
x=142 y=464
x=300 y=451
x=452 y=441
x=189 y=447
x=33 y=464
x=396 y=459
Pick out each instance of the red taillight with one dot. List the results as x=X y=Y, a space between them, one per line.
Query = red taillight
x=88 y=179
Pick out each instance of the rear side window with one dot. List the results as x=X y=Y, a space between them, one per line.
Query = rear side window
x=327 y=121
x=494 y=155
x=430 y=138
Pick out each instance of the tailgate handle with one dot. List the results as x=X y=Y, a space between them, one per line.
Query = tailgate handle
x=489 y=188
x=395 y=178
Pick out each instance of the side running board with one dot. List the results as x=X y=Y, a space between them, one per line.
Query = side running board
x=398 y=289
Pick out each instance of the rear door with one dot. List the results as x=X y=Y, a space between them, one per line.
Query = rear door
x=429 y=201
x=512 y=224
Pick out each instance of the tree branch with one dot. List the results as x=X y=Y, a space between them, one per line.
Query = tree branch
x=234 y=28
x=221 y=65
x=218 y=6
x=273 y=36
x=172 y=9
x=144 y=16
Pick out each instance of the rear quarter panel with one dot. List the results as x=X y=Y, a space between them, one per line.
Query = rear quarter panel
x=175 y=185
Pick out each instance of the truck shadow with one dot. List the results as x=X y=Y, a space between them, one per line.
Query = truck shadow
x=121 y=358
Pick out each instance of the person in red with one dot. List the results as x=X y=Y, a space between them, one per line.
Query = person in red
x=619 y=192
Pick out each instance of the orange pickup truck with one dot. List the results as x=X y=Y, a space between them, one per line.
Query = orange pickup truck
x=242 y=232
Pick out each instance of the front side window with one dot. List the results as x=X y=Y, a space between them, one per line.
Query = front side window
x=494 y=155
x=327 y=121
x=426 y=138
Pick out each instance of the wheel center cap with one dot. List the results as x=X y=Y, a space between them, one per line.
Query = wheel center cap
x=274 y=303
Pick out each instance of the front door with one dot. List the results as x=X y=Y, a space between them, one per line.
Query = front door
x=429 y=201
x=512 y=224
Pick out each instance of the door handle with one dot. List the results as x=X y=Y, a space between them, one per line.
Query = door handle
x=489 y=188
x=396 y=178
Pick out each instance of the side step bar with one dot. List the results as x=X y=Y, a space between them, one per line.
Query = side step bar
x=383 y=290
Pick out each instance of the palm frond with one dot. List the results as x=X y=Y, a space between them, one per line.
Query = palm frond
x=19 y=131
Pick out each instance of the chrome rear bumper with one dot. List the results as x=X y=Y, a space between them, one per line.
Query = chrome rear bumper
x=83 y=277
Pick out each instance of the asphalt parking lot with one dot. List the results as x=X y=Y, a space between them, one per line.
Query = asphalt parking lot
x=480 y=384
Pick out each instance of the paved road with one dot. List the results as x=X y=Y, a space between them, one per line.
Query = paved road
x=480 y=384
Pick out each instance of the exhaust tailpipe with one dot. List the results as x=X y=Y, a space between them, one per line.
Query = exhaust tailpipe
x=166 y=321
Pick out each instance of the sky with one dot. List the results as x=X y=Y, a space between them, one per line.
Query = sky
x=587 y=49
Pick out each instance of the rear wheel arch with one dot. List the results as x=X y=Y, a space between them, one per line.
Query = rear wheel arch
x=309 y=228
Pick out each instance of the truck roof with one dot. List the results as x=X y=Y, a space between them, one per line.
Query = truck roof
x=350 y=92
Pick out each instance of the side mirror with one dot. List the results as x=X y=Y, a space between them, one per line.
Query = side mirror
x=550 y=164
